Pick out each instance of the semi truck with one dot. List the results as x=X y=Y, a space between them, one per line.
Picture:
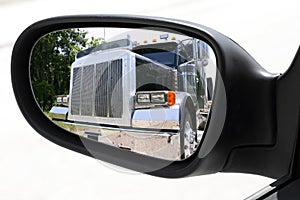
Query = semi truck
x=151 y=96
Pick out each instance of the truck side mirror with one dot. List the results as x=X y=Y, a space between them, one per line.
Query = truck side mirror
x=187 y=67
x=124 y=103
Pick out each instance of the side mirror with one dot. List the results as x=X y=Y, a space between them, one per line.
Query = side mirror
x=187 y=66
x=112 y=87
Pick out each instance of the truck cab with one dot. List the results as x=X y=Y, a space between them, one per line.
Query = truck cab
x=125 y=90
x=189 y=59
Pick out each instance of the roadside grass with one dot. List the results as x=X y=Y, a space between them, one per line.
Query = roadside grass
x=67 y=127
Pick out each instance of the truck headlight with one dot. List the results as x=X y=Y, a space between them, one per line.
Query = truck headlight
x=58 y=99
x=65 y=99
x=143 y=98
x=158 y=98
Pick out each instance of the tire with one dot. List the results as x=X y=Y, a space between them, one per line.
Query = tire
x=187 y=135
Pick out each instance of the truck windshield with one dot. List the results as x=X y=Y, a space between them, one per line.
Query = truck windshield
x=164 y=53
x=163 y=57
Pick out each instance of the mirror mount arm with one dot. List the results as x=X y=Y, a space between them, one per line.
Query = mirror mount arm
x=280 y=155
x=288 y=116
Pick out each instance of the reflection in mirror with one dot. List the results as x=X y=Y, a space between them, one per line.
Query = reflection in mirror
x=146 y=91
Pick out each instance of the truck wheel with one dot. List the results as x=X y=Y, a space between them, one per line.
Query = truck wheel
x=188 y=132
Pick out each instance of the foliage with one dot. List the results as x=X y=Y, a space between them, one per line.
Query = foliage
x=44 y=94
x=51 y=61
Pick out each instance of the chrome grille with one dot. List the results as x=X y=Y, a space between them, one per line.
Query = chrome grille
x=116 y=89
x=75 y=104
x=108 y=96
x=101 y=95
x=97 y=90
x=87 y=91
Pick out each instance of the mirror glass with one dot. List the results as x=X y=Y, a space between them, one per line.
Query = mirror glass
x=143 y=90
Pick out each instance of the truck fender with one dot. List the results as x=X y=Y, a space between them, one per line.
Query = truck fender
x=184 y=100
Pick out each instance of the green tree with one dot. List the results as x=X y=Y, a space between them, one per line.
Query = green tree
x=51 y=61
x=44 y=93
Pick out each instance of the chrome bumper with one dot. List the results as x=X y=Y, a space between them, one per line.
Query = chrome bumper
x=59 y=113
x=165 y=118
x=165 y=145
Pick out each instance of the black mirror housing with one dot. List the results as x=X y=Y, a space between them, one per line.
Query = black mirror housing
x=243 y=134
